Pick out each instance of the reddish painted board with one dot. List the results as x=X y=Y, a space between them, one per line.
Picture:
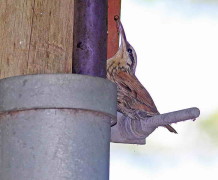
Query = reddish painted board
x=113 y=38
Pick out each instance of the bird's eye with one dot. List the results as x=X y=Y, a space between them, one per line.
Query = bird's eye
x=129 y=50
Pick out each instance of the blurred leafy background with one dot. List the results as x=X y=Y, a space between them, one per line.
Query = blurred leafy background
x=177 y=47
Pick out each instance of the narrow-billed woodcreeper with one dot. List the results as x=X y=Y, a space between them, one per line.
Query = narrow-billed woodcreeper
x=133 y=99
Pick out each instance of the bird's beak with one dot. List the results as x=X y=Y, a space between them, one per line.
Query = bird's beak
x=122 y=33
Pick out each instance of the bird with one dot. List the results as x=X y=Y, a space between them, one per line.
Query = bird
x=133 y=100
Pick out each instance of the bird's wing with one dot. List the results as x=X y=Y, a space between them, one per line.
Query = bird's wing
x=131 y=87
x=143 y=100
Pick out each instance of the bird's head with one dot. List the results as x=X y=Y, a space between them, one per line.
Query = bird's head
x=126 y=50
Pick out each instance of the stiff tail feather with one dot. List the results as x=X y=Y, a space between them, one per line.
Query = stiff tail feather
x=171 y=129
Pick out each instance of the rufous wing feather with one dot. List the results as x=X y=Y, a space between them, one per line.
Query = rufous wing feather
x=142 y=98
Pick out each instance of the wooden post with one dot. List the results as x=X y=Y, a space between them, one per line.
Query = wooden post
x=36 y=37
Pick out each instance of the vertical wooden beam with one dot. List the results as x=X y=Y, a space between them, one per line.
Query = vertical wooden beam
x=114 y=7
x=36 y=37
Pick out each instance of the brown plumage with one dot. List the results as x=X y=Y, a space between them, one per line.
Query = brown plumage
x=133 y=99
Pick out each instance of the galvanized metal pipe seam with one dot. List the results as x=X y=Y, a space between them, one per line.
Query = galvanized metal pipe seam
x=58 y=91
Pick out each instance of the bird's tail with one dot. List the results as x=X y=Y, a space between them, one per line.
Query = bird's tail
x=171 y=129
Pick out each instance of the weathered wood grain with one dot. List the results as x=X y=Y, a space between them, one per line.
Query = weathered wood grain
x=36 y=37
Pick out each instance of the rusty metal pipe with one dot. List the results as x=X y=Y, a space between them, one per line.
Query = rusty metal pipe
x=90 y=37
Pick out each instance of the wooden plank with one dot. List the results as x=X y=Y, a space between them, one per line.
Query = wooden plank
x=113 y=38
x=37 y=37
x=14 y=35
